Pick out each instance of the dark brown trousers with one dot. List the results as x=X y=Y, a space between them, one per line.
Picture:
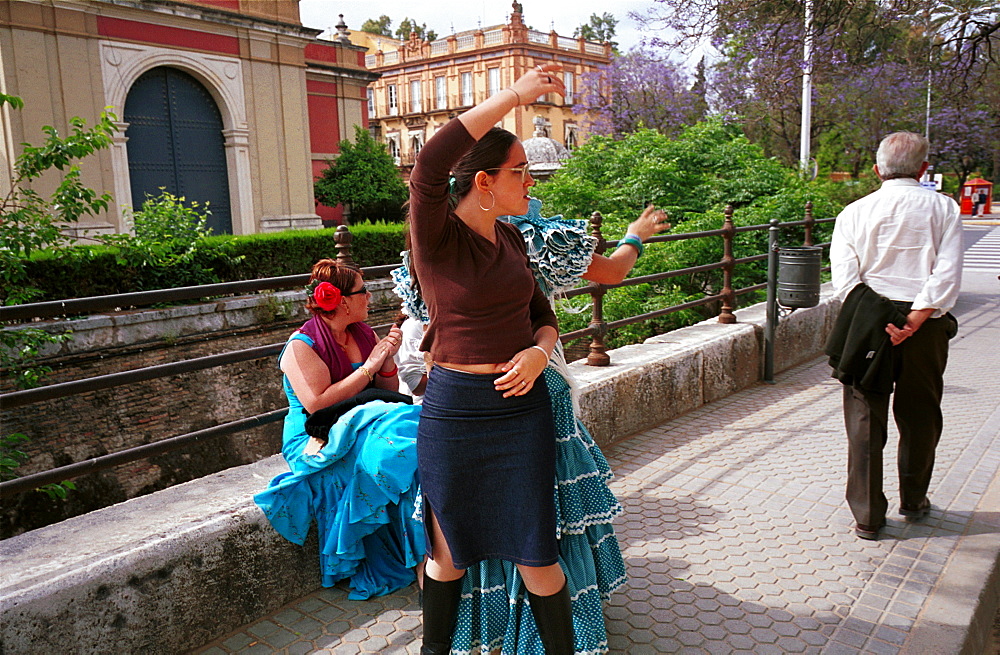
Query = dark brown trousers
x=918 y=372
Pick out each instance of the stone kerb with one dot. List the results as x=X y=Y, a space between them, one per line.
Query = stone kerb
x=162 y=573
x=174 y=569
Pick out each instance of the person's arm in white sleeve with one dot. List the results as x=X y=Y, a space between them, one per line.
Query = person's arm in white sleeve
x=941 y=289
x=410 y=359
x=845 y=265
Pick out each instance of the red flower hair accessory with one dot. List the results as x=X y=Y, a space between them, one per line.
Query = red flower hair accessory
x=326 y=296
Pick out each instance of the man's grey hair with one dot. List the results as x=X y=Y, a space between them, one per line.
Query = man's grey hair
x=901 y=154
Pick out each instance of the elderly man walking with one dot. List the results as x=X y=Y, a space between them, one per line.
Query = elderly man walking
x=897 y=256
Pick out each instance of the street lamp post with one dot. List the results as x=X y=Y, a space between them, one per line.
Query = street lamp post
x=806 y=90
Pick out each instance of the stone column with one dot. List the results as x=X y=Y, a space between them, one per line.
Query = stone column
x=240 y=185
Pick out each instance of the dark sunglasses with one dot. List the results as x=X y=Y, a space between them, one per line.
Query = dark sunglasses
x=363 y=289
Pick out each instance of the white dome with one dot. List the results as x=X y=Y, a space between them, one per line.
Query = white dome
x=543 y=150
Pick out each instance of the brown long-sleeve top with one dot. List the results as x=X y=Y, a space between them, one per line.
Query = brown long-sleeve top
x=483 y=301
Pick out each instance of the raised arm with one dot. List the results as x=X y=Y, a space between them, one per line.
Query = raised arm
x=614 y=268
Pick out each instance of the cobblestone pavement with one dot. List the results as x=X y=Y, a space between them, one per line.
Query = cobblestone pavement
x=736 y=534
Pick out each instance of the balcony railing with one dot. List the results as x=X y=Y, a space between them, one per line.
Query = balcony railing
x=538 y=37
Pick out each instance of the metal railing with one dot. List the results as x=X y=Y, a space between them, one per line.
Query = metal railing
x=597 y=330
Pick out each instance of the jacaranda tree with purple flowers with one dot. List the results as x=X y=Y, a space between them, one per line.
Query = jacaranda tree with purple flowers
x=636 y=90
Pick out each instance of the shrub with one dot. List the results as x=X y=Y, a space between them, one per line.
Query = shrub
x=693 y=177
x=81 y=271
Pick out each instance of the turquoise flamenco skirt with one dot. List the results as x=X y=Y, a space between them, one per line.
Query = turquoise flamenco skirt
x=360 y=490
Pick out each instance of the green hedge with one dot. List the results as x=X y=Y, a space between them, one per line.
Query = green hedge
x=81 y=271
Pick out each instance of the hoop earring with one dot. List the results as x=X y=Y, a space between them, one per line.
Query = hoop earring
x=486 y=209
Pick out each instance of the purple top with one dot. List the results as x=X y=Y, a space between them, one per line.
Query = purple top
x=330 y=351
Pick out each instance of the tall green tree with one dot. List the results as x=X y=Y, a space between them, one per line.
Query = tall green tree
x=408 y=25
x=379 y=26
x=599 y=28
x=364 y=177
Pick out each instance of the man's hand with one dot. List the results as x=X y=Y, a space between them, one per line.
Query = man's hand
x=914 y=320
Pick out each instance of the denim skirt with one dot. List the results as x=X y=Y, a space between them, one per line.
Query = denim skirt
x=487 y=468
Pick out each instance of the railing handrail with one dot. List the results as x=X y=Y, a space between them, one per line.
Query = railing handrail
x=596 y=330
x=91 y=304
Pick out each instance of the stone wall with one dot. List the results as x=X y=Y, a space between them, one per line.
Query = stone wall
x=202 y=558
x=100 y=422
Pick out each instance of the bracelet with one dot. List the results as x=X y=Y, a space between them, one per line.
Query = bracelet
x=516 y=94
x=634 y=241
x=368 y=374
x=547 y=355
x=388 y=374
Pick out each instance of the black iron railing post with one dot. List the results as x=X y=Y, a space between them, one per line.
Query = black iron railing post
x=729 y=262
x=772 y=299
x=810 y=222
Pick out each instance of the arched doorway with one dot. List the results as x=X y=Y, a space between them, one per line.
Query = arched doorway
x=175 y=141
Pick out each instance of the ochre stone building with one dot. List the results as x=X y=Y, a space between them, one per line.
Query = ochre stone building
x=424 y=84
x=233 y=102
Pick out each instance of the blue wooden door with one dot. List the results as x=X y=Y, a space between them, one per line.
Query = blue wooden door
x=175 y=141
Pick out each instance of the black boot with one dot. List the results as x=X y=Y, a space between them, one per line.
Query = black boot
x=554 y=618
x=440 y=612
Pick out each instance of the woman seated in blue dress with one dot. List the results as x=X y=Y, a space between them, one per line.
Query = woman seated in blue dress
x=358 y=484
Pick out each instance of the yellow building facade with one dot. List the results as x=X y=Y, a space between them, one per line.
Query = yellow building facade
x=425 y=84
x=230 y=101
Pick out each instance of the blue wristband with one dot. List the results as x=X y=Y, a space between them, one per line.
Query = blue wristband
x=634 y=241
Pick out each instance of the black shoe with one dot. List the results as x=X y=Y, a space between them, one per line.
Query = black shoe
x=918 y=512
x=869 y=532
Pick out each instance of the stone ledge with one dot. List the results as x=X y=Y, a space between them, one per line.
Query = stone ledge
x=202 y=559
x=199 y=558
x=144 y=326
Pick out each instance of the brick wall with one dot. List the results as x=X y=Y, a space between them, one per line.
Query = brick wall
x=96 y=423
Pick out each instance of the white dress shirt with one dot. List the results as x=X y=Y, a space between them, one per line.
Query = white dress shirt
x=903 y=241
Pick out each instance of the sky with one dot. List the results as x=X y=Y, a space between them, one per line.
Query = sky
x=443 y=18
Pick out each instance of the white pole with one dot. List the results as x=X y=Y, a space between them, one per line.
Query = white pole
x=927 y=123
x=806 y=90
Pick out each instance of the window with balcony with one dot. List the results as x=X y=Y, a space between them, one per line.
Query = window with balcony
x=493 y=75
x=570 y=136
x=441 y=92
x=392 y=99
x=466 y=89
x=415 y=106
x=392 y=141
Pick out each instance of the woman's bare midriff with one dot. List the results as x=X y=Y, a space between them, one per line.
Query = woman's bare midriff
x=473 y=368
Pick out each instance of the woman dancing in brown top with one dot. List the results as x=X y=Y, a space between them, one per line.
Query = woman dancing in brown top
x=486 y=447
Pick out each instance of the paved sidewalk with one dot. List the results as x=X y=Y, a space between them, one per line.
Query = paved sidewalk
x=737 y=537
